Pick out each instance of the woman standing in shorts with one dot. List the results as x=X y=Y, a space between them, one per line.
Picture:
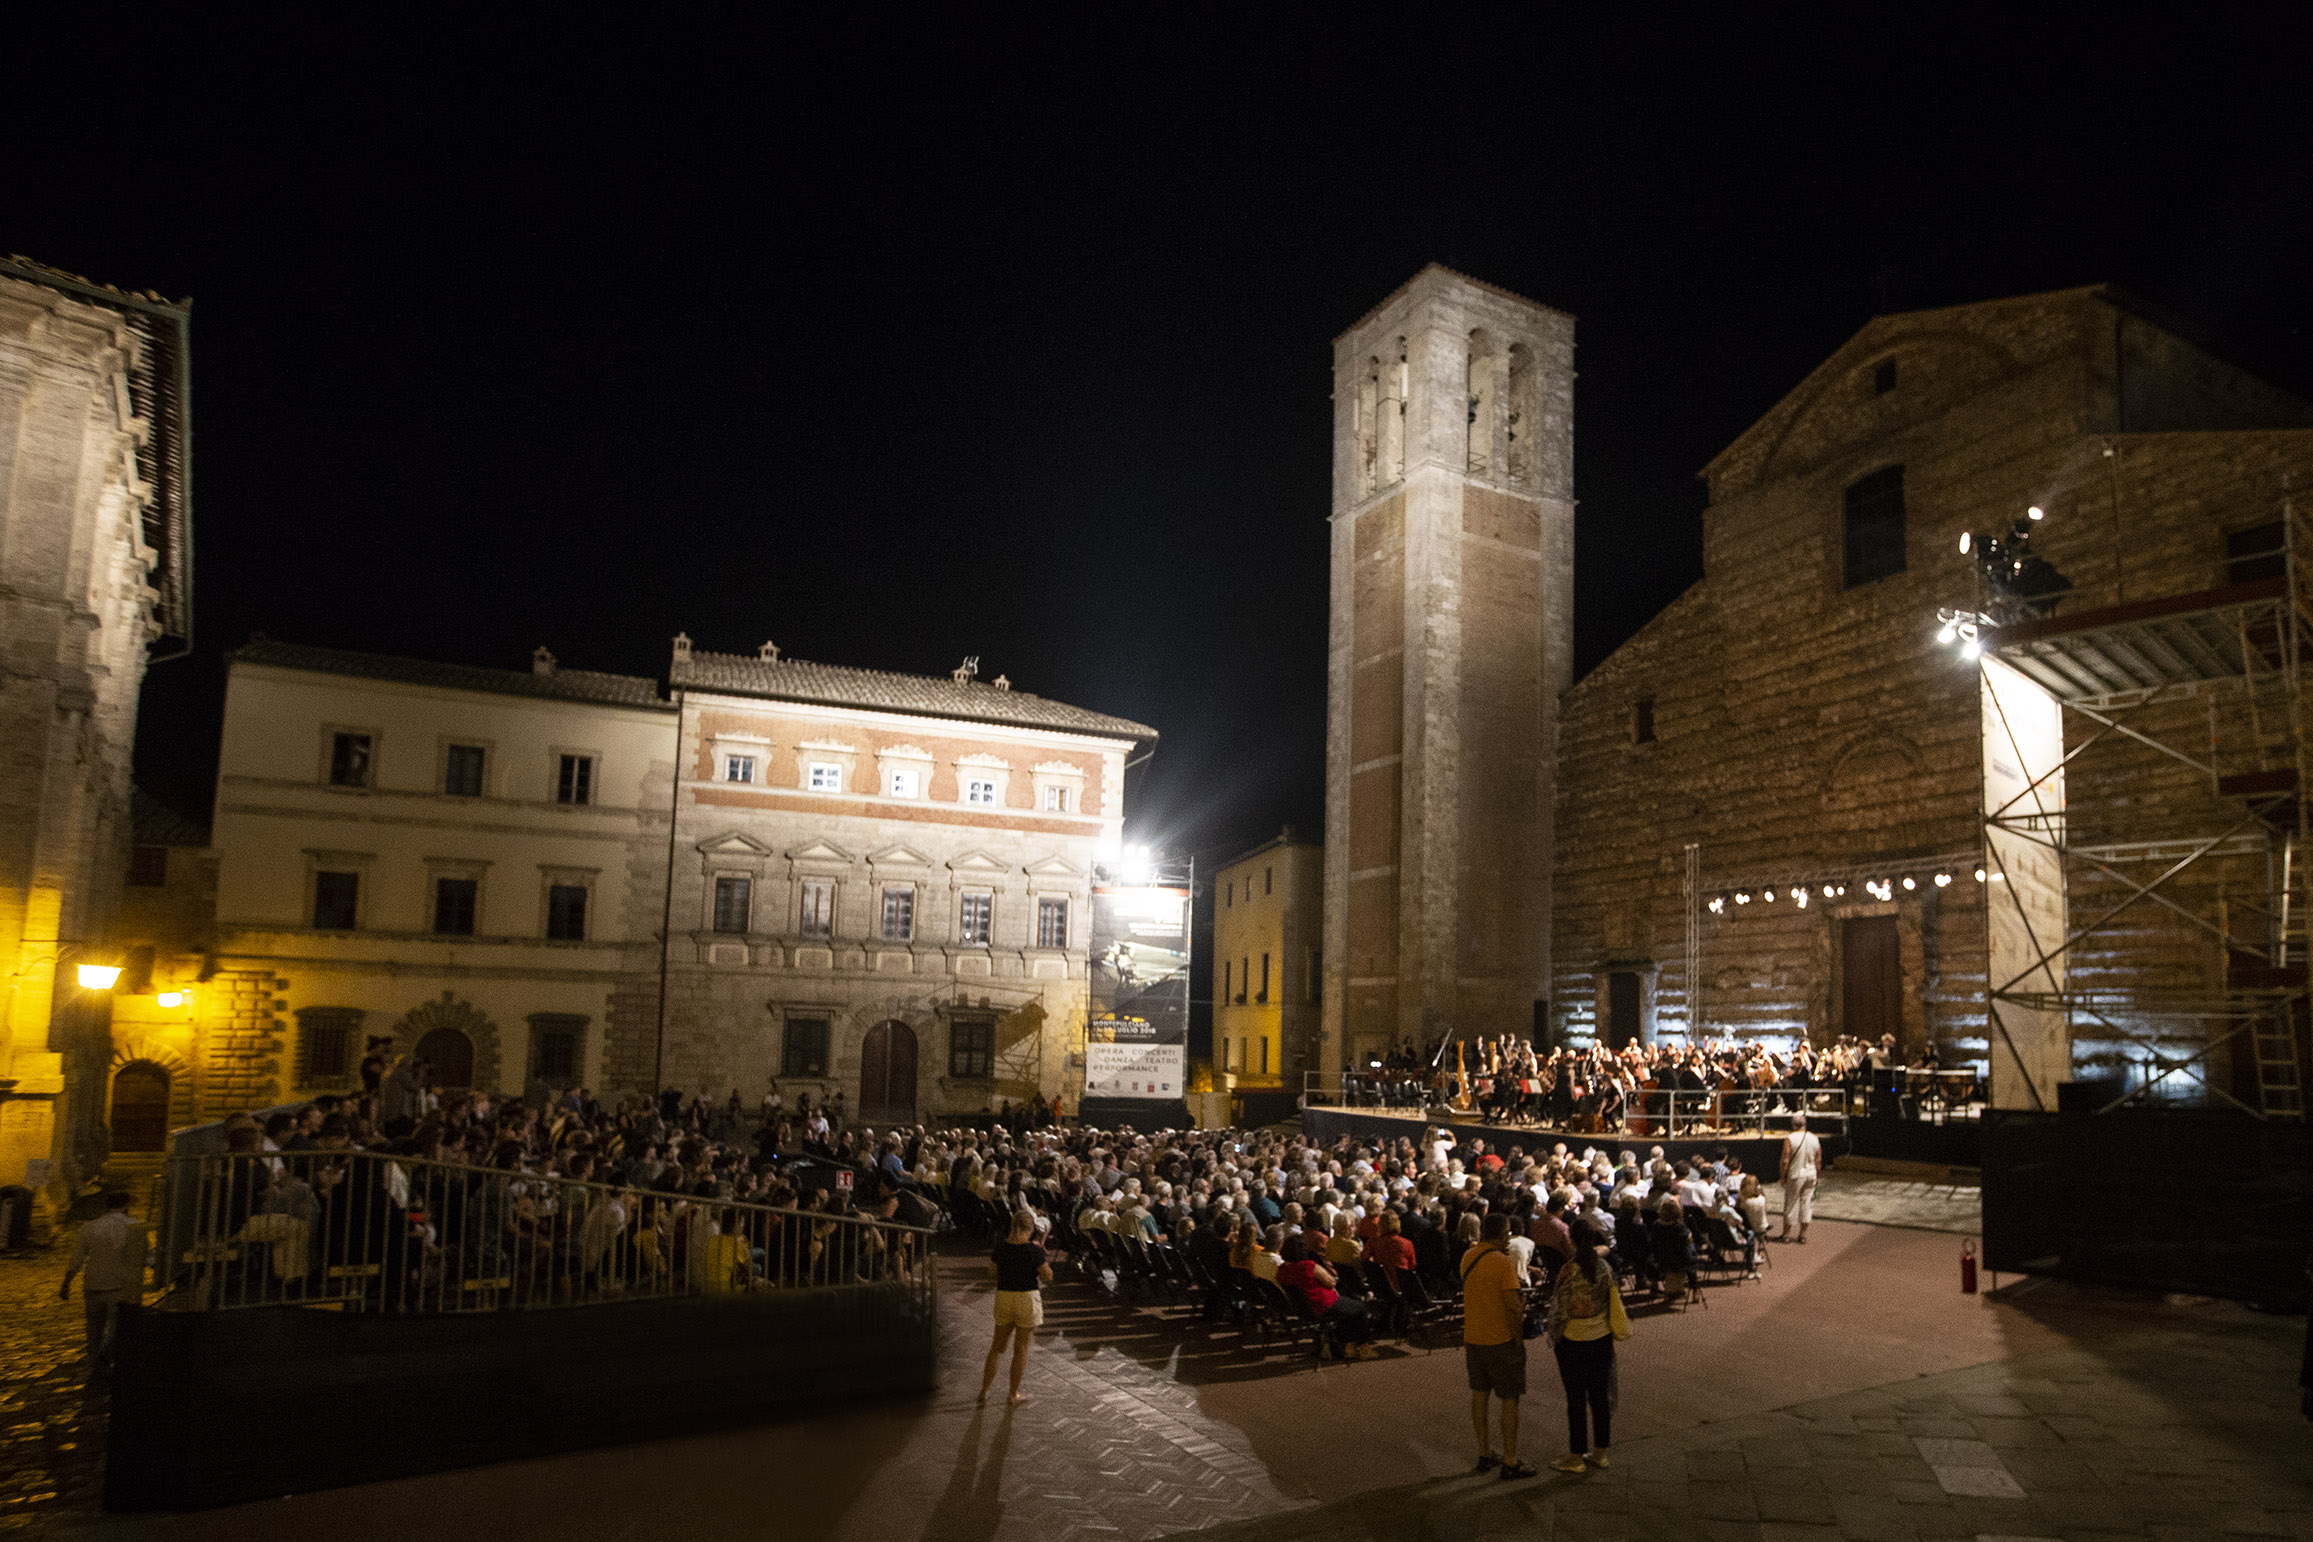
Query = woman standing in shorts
x=1021 y=1272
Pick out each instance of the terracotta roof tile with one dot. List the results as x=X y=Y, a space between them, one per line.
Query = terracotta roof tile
x=565 y=684
x=929 y=695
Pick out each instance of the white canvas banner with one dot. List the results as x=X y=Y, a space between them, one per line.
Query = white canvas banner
x=2031 y=1042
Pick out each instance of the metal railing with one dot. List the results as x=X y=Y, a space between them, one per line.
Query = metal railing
x=1660 y=1112
x=357 y=1231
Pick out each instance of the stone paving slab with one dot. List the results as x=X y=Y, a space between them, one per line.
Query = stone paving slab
x=2182 y=1425
x=1851 y=1196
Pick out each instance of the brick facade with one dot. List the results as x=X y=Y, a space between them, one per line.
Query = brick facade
x=1802 y=725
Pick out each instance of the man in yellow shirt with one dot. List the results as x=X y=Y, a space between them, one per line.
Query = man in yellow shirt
x=1494 y=1348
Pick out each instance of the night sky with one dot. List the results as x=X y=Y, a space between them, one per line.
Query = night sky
x=968 y=332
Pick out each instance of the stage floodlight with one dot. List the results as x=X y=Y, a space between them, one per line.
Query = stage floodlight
x=1742 y=896
x=1966 y=541
x=1947 y=634
x=1979 y=875
x=1801 y=896
x=1909 y=883
x=98 y=977
x=1971 y=649
x=1943 y=880
x=2035 y=512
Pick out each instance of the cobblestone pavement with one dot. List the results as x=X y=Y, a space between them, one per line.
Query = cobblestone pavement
x=1848 y=1196
x=51 y=1430
x=2174 y=1422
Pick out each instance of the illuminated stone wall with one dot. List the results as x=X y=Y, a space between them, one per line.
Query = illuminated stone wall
x=1800 y=725
x=1451 y=617
x=75 y=618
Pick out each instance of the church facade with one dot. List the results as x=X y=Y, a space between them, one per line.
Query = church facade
x=1794 y=718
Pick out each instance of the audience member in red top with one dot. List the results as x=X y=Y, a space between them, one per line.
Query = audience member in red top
x=1342 y=1321
x=1387 y=1248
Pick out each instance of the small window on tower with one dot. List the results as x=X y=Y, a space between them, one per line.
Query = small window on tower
x=738 y=768
x=1642 y=720
x=1883 y=377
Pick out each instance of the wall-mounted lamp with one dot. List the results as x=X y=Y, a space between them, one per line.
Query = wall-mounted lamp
x=98 y=977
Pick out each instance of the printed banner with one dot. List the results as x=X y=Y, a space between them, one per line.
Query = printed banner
x=2030 y=1038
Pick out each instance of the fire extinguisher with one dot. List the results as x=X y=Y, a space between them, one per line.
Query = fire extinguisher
x=1968 y=1267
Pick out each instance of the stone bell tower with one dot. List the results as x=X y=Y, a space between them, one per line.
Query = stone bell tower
x=1449 y=643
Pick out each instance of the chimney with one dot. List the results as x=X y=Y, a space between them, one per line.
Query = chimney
x=768 y=653
x=964 y=673
x=541 y=662
x=1002 y=682
x=682 y=647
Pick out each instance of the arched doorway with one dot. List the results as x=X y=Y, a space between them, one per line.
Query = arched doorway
x=140 y=1107
x=449 y=1058
x=887 y=1074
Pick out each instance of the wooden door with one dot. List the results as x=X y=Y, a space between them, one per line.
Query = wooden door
x=1622 y=1025
x=1870 y=978
x=887 y=1074
x=140 y=1107
x=449 y=1057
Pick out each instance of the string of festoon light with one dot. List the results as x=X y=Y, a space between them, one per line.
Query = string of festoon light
x=1882 y=883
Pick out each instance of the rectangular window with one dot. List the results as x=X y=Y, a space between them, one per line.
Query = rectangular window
x=818 y=918
x=972 y=1047
x=554 y=1045
x=1317 y=979
x=734 y=898
x=903 y=782
x=1228 y=978
x=1264 y=996
x=574 y=781
x=454 y=906
x=738 y=768
x=1266 y=886
x=336 y=901
x=826 y=776
x=1264 y=1041
x=2253 y=553
x=803 y=1051
x=1056 y=800
x=1244 y=979
x=972 y=928
x=1642 y=720
x=1883 y=377
x=899 y=915
x=149 y=867
x=1225 y=1052
x=462 y=771
x=1874 y=527
x=1052 y=923
x=349 y=760
x=325 y=1044
x=979 y=792
x=566 y=912
x=1229 y=895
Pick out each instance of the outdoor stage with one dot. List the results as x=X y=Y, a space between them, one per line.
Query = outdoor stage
x=1758 y=1152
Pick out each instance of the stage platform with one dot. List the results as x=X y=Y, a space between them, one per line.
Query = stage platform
x=1758 y=1153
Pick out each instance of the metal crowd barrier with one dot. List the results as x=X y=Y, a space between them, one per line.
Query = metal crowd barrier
x=356 y=1231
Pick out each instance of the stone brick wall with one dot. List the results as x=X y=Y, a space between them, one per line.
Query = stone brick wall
x=241 y=1038
x=1803 y=727
x=1450 y=638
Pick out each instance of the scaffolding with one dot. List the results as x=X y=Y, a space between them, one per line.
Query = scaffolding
x=2237 y=651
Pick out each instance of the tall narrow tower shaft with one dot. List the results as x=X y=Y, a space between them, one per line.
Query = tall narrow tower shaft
x=1449 y=645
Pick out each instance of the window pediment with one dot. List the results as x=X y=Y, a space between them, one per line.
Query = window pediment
x=820 y=851
x=899 y=856
x=977 y=862
x=1054 y=866
x=732 y=844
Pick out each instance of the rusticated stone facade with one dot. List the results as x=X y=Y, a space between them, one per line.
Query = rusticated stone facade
x=1793 y=715
x=1451 y=615
x=94 y=535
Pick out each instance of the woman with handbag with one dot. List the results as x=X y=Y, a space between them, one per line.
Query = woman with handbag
x=1586 y=1320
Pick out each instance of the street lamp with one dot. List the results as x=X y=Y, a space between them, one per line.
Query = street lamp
x=98 y=977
